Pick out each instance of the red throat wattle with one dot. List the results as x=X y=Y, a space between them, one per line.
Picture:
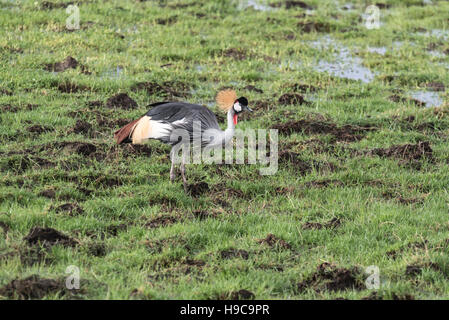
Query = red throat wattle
x=235 y=119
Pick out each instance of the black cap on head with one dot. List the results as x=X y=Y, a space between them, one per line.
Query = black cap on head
x=243 y=101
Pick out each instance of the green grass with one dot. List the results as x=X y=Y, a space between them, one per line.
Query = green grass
x=393 y=212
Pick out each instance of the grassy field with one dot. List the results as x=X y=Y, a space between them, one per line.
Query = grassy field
x=363 y=156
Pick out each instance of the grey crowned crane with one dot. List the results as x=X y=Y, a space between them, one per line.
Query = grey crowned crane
x=165 y=117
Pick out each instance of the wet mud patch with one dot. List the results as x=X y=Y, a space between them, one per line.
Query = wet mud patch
x=198 y=189
x=97 y=249
x=234 y=253
x=304 y=167
x=408 y=152
x=203 y=215
x=121 y=101
x=406 y=100
x=33 y=287
x=38 y=129
x=323 y=183
x=274 y=242
x=4 y=226
x=167 y=21
x=19 y=163
x=253 y=88
x=312 y=26
x=70 y=87
x=435 y=86
x=72 y=209
x=331 y=224
x=291 y=4
x=242 y=294
x=157 y=246
x=162 y=221
x=168 y=89
x=49 y=5
x=48 y=237
x=300 y=88
x=85 y=149
x=67 y=63
x=238 y=54
x=292 y=99
x=394 y=195
x=48 y=193
x=417 y=269
x=345 y=133
x=331 y=278
x=82 y=127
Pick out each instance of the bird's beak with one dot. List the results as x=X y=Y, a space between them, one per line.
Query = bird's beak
x=249 y=109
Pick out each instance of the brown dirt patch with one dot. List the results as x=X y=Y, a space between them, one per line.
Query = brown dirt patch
x=323 y=183
x=38 y=129
x=397 y=98
x=329 y=277
x=291 y=4
x=346 y=133
x=122 y=101
x=167 y=21
x=331 y=224
x=311 y=26
x=70 y=87
x=32 y=287
x=198 y=189
x=303 y=167
x=392 y=195
x=234 y=253
x=417 y=269
x=82 y=127
x=67 y=63
x=168 y=89
x=291 y=99
x=48 y=237
x=435 y=86
x=300 y=87
x=48 y=5
x=202 y=215
x=273 y=241
x=253 y=88
x=242 y=294
x=4 y=226
x=418 y=151
x=161 y=221
x=48 y=193
x=71 y=208
x=235 y=53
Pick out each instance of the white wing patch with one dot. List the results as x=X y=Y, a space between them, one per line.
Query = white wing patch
x=159 y=129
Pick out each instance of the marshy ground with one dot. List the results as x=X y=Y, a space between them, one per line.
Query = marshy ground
x=363 y=171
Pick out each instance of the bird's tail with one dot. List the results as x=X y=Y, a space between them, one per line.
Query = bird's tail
x=124 y=134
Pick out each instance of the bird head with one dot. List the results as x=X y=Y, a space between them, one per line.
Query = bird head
x=227 y=101
x=240 y=105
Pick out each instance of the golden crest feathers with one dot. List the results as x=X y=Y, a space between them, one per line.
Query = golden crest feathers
x=225 y=99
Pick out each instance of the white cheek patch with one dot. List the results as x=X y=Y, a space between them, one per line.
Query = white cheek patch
x=237 y=107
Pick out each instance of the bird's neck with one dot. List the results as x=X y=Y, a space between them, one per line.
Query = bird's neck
x=229 y=132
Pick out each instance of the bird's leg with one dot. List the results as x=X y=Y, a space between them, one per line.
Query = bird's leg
x=172 y=169
x=183 y=170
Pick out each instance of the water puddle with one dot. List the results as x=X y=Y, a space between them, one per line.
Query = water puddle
x=258 y=5
x=437 y=33
x=430 y=98
x=436 y=54
x=112 y=73
x=378 y=50
x=342 y=64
